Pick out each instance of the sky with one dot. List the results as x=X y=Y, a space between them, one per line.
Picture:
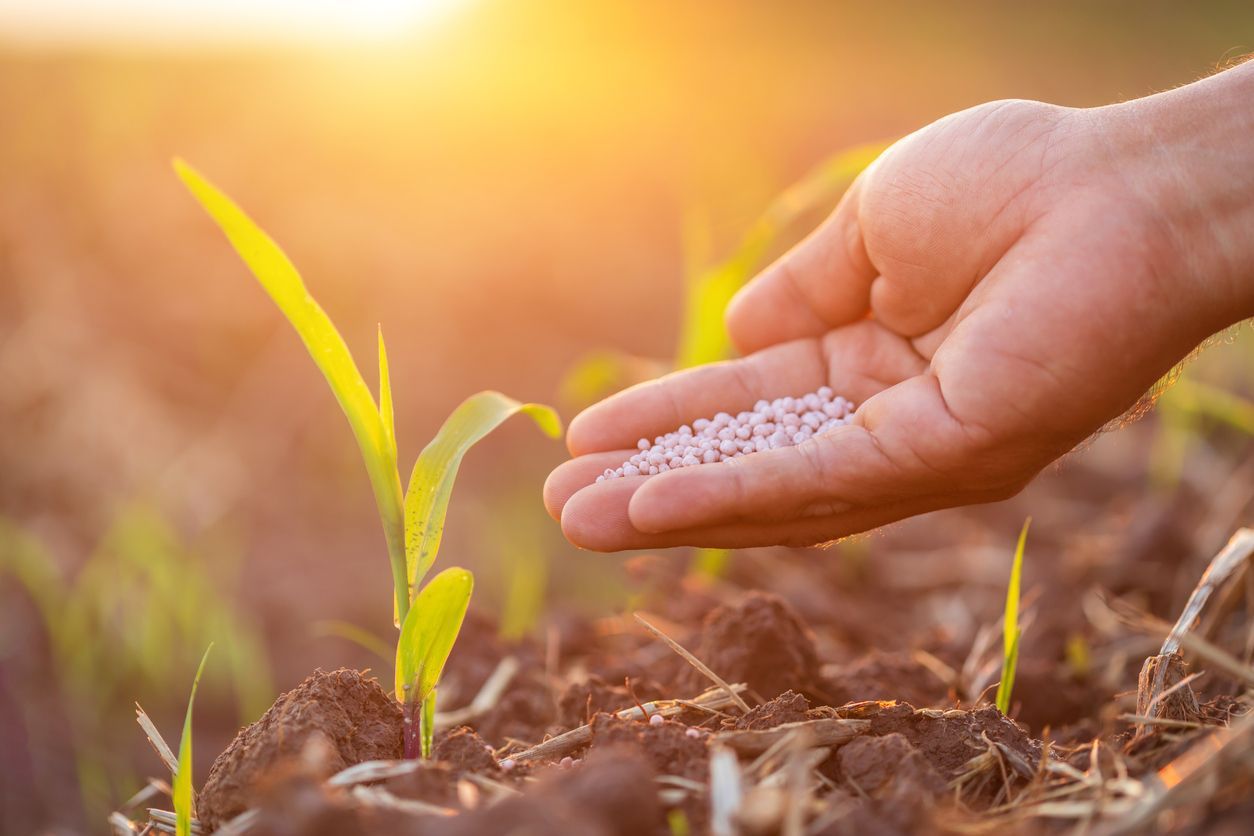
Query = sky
x=190 y=22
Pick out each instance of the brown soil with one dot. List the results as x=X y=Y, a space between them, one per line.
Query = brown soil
x=666 y=746
x=581 y=701
x=882 y=765
x=788 y=707
x=357 y=719
x=762 y=642
x=886 y=676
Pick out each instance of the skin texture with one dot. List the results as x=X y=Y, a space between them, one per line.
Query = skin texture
x=994 y=289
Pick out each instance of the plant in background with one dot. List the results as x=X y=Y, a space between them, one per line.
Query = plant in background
x=104 y=649
x=429 y=617
x=1011 y=630
x=1185 y=407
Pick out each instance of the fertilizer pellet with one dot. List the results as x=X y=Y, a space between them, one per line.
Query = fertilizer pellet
x=783 y=422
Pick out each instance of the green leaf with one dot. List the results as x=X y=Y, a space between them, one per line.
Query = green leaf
x=431 y=483
x=182 y=790
x=279 y=277
x=1011 y=631
x=429 y=631
x=1006 y=685
x=386 y=410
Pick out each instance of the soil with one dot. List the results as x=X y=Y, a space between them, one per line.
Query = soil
x=356 y=719
x=899 y=747
x=762 y=642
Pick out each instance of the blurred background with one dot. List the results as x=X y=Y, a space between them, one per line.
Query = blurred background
x=507 y=187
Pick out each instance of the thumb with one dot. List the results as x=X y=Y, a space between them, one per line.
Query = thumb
x=823 y=282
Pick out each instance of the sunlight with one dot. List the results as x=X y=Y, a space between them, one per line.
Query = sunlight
x=219 y=21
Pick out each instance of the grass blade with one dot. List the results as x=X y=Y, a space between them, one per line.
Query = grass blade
x=431 y=483
x=182 y=790
x=427 y=637
x=1011 y=631
x=276 y=273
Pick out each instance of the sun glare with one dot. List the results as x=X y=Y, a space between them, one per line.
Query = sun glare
x=218 y=21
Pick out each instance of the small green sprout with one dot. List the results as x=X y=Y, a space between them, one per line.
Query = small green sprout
x=1011 y=631
x=429 y=617
x=182 y=790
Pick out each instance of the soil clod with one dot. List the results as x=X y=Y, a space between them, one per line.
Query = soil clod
x=357 y=718
x=762 y=642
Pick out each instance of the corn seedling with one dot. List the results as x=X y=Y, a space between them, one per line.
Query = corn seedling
x=182 y=790
x=429 y=617
x=1011 y=630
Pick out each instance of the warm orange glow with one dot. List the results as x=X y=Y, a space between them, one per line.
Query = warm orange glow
x=223 y=21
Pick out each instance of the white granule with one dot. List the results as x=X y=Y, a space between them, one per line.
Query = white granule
x=783 y=422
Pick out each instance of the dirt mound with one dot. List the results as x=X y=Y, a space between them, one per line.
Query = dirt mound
x=788 y=707
x=762 y=642
x=948 y=739
x=358 y=720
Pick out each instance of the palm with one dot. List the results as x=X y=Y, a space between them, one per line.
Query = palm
x=952 y=296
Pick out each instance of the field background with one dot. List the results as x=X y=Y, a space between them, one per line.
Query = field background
x=504 y=188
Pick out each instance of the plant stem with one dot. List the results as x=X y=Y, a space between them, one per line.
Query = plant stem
x=400 y=582
x=410 y=732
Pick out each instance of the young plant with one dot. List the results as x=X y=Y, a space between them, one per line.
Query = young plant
x=1011 y=631
x=429 y=617
x=182 y=790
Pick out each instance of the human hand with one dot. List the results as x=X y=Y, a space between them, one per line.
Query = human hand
x=994 y=289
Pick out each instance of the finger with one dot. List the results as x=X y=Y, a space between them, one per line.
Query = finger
x=572 y=476
x=596 y=519
x=781 y=485
x=823 y=282
x=856 y=361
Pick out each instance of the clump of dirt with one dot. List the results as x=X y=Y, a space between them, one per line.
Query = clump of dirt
x=902 y=785
x=464 y=750
x=762 y=642
x=357 y=718
x=788 y=707
x=581 y=701
x=885 y=676
x=948 y=740
x=667 y=745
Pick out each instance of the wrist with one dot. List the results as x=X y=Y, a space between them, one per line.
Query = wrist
x=1186 y=157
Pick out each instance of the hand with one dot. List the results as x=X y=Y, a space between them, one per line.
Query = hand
x=994 y=289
